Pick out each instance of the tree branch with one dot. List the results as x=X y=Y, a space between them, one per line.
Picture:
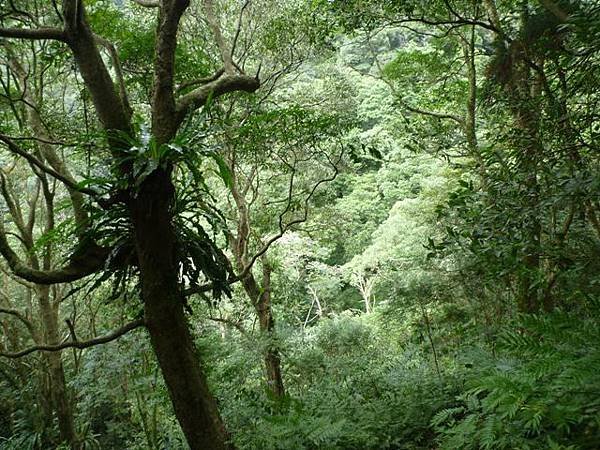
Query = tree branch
x=21 y=317
x=164 y=122
x=147 y=3
x=80 y=265
x=239 y=27
x=81 y=40
x=198 y=81
x=78 y=344
x=282 y=230
x=213 y=23
x=222 y=85
x=435 y=114
x=15 y=278
x=114 y=56
x=456 y=23
x=55 y=34
x=14 y=148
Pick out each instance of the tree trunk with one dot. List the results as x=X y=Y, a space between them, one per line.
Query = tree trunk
x=194 y=405
x=259 y=297
x=59 y=393
x=267 y=327
x=524 y=98
x=261 y=300
x=528 y=300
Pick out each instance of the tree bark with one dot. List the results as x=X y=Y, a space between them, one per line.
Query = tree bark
x=194 y=405
x=526 y=121
x=260 y=297
x=261 y=300
x=59 y=393
x=522 y=92
x=150 y=208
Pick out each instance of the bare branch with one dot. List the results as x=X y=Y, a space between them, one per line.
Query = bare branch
x=282 y=230
x=21 y=317
x=55 y=34
x=456 y=23
x=78 y=344
x=239 y=27
x=90 y=260
x=14 y=148
x=114 y=56
x=198 y=81
x=147 y=3
x=15 y=278
x=303 y=218
x=436 y=114
x=223 y=85
x=215 y=27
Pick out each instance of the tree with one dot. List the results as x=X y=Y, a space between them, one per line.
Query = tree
x=41 y=202
x=146 y=199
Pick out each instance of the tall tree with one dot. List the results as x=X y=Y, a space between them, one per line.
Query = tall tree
x=148 y=199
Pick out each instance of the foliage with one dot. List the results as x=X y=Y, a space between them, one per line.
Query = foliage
x=541 y=393
x=425 y=177
x=349 y=388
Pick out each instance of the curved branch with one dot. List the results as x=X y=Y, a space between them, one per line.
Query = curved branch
x=21 y=317
x=198 y=81
x=435 y=114
x=81 y=265
x=222 y=85
x=456 y=23
x=15 y=278
x=13 y=147
x=78 y=344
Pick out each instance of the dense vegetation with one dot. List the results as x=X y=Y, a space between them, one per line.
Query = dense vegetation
x=353 y=224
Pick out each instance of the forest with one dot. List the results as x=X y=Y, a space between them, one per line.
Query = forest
x=299 y=224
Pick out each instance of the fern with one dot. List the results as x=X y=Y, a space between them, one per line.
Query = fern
x=547 y=397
